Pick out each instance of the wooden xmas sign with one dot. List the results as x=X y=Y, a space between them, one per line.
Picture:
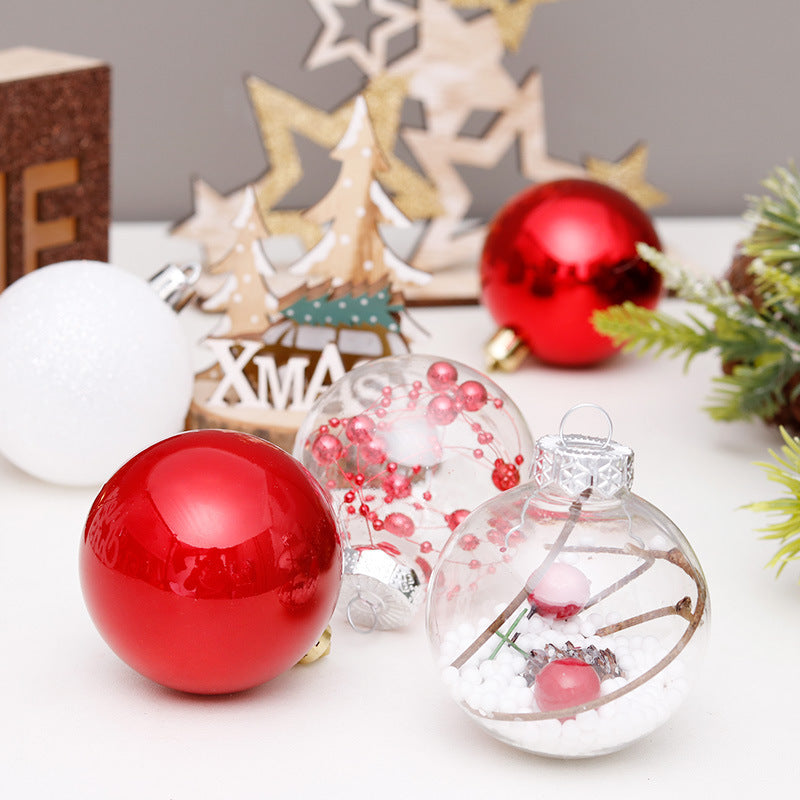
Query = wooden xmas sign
x=277 y=348
x=54 y=160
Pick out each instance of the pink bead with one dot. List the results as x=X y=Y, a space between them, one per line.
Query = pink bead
x=396 y=485
x=475 y=395
x=478 y=453
x=561 y=593
x=359 y=428
x=456 y=518
x=442 y=410
x=425 y=547
x=468 y=542
x=326 y=449
x=505 y=476
x=399 y=524
x=565 y=683
x=373 y=451
x=441 y=375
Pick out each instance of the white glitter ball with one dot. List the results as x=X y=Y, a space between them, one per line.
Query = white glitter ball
x=94 y=367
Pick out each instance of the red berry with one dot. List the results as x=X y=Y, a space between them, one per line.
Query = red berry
x=561 y=593
x=565 y=683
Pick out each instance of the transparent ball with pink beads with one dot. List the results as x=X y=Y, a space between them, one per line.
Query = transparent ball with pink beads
x=406 y=447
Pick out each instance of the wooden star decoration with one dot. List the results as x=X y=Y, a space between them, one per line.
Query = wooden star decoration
x=451 y=77
x=511 y=16
x=443 y=243
x=627 y=175
x=333 y=44
x=280 y=115
x=211 y=222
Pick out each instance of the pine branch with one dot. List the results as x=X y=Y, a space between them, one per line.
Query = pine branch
x=640 y=330
x=775 y=239
x=786 y=472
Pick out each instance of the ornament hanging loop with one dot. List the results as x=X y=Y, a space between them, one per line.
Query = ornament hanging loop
x=362 y=604
x=564 y=438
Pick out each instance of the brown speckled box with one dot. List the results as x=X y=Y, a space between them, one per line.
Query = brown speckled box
x=54 y=159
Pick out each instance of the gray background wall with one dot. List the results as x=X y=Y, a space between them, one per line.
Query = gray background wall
x=711 y=85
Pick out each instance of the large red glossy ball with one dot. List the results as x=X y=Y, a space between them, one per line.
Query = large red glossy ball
x=558 y=252
x=211 y=562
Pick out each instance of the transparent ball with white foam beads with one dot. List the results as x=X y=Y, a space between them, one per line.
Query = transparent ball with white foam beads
x=568 y=616
x=406 y=446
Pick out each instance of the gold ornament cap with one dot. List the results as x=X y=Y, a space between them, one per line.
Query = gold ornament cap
x=505 y=351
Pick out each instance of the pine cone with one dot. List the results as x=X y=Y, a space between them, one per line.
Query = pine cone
x=742 y=282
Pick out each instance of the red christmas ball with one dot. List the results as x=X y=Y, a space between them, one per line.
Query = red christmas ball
x=558 y=252
x=211 y=562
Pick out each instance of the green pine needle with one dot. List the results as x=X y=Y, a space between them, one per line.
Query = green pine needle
x=786 y=472
x=775 y=239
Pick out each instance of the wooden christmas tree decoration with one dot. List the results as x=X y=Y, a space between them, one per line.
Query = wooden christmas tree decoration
x=456 y=72
x=274 y=355
x=352 y=249
x=245 y=297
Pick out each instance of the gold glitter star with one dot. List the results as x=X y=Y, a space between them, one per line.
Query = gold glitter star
x=331 y=47
x=280 y=115
x=627 y=175
x=511 y=16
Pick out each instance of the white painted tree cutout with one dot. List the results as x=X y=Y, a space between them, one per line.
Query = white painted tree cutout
x=245 y=297
x=352 y=250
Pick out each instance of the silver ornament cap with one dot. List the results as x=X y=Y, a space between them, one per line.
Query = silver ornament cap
x=572 y=462
x=378 y=592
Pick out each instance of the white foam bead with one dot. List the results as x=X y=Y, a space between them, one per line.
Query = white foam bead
x=571 y=628
x=621 y=644
x=473 y=696
x=626 y=662
x=526 y=642
x=588 y=720
x=536 y=624
x=488 y=702
x=608 y=710
x=466 y=631
x=492 y=687
x=517 y=663
x=450 y=676
x=570 y=730
x=507 y=705
x=470 y=675
x=487 y=668
x=518 y=682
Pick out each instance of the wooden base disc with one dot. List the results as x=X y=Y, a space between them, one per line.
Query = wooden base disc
x=278 y=427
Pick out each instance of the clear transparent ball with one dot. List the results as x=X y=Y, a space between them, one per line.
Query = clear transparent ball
x=406 y=446
x=94 y=367
x=518 y=590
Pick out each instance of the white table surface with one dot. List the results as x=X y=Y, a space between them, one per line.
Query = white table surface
x=372 y=720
